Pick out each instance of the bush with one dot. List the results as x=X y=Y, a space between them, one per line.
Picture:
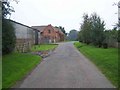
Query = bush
x=8 y=37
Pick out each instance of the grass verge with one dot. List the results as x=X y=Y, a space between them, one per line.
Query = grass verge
x=15 y=66
x=43 y=47
x=105 y=59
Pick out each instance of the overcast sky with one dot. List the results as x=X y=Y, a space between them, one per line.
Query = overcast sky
x=66 y=13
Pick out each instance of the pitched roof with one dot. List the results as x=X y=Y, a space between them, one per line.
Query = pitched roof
x=22 y=24
x=40 y=28
x=58 y=29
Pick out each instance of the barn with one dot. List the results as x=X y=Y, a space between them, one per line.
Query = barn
x=50 y=34
x=26 y=36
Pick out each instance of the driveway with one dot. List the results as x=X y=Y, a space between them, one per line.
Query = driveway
x=66 y=67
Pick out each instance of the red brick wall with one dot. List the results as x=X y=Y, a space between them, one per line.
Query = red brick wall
x=46 y=31
x=52 y=34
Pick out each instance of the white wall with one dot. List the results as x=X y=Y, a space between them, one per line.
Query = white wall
x=24 y=32
x=20 y=31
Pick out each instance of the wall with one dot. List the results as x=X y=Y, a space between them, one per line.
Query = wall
x=48 y=37
x=25 y=37
x=54 y=36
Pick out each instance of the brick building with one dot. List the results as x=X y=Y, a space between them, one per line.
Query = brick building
x=50 y=34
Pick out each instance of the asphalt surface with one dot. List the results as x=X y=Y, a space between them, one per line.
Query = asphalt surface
x=66 y=67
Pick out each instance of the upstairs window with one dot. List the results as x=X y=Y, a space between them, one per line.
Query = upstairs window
x=49 y=31
x=41 y=33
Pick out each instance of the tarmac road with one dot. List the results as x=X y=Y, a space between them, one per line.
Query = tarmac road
x=66 y=67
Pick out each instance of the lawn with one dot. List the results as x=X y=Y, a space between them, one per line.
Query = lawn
x=43 y=47
x=105 y=59
x=15 y=66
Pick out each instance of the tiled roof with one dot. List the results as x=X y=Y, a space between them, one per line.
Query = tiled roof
x=40 y=28
x=57 y=29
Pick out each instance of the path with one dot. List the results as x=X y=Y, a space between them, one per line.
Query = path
x=66 y=68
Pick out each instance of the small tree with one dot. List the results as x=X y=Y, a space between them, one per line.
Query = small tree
x=92 y=30
x=98 y=27
x=62 y=29
x=8 y=37
x=85 y=30
x=73 y=35
x=118 y=36
x=8 y=34
x=80 y=36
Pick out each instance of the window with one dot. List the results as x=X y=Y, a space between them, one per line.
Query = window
x=49 y=31
x=41 y=33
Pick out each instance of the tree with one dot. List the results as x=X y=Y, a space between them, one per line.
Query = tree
x=73 y=35
x=111 y=37
x=86 y=29
x=92 y=30
x=6 y=8
x=98 y=27
x=62 y=29
x=8 y=37
x=118 y=36
x=8 y=33
x=80 y=36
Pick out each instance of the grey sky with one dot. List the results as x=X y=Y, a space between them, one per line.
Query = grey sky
x=66 y=13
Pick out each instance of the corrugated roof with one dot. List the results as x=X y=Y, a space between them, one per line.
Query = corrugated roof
x=21 y=24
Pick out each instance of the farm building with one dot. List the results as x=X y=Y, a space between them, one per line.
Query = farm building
x=25 y=36
x=50 y=34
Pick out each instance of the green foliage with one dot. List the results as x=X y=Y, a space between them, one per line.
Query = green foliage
x=8 y=37
x=6 y=8
x=111 y=37
x=62 y=29
x=105 y=59
x=92 y=30
x=118 y=36
x=16 y=66
x=80 y=37
x=86 y=29
x=73 y=35
x=97 y=30
x=8 y=34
